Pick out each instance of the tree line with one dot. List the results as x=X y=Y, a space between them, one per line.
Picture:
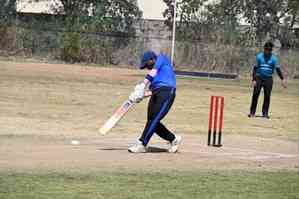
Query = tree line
x=271 y=19
x=202 y=29
x=197 y=19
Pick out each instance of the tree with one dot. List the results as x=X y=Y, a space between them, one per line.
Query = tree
x=272 y=18
x=7 y=12
x=72 y=7
x=293 y=6
x=7 y=19
x=116 y=15
x=103 y=15
x=199 y=20
x=224 y=15
x=190 y=17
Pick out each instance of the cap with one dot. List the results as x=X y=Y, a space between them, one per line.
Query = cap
x=148 y=55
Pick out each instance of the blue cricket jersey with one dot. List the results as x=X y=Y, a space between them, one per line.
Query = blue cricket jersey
x=265 y=67
x=165 y=73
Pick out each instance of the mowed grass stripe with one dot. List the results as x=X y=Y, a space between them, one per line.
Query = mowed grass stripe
x=143 y=184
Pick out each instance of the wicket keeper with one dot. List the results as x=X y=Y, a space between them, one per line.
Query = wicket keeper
x=160 y=84
x=266 y=63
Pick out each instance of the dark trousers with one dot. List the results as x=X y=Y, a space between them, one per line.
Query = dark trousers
x=158 y=107
x=267 y=85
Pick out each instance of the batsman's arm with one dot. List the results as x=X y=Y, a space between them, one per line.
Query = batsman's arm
x=140 y=90
x=150 y=76
x=148 y=80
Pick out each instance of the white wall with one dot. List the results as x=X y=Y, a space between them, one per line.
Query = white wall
x=35 y=7
x=152 y=9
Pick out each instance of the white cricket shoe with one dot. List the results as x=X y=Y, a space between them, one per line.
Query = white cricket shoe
x=137 y=148
x=174 y=145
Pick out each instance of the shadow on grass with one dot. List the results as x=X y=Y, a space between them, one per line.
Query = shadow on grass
x=270 y=117
x=150 y=149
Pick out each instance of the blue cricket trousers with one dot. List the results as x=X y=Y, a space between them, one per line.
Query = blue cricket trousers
x=159 y=105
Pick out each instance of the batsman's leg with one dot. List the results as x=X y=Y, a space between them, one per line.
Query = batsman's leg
x=164 y=133
x=159 y=105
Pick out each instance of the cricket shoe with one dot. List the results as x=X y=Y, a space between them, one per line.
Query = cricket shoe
x=137 y=148
x=174 y=145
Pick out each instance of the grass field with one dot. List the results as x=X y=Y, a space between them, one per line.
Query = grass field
x=45 y=106
x=141 y=185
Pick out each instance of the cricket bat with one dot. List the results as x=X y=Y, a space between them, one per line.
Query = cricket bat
x=115 y=118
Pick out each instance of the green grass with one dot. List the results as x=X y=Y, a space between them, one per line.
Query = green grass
x=145 y=184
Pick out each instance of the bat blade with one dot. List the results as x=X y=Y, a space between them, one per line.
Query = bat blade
x=115 y=118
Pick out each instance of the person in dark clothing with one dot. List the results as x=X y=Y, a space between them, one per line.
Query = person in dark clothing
x=262 y=74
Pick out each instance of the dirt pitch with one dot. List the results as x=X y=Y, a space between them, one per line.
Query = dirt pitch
x=43 y=107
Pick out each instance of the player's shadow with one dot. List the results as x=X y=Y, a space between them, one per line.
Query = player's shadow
x=150 y=149
x=113 y=149
x=154 y=149
x=262 y=117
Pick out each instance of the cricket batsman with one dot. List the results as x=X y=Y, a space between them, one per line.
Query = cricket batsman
x=160 y=85
x=266 y=63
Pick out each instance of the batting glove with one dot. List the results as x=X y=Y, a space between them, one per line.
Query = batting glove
x=138 y=94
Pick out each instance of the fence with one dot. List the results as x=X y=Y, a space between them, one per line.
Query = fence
x=39 y=35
